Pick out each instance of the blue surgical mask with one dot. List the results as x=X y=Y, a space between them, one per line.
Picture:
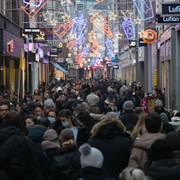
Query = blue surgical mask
x=66 y=124
x=51 y=120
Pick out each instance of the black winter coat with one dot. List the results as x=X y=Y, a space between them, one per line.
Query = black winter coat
x=166 y=169
x=90 y=173
x=129 y=117
x=115 y=148
x=88 y=122
x=66 y=165
x=13 y=166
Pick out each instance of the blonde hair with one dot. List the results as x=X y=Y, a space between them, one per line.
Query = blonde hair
x=132 y=174
x=67 y=137
x=95 y=110
x=140 y=128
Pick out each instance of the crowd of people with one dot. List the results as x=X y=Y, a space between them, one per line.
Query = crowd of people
x=88 y=130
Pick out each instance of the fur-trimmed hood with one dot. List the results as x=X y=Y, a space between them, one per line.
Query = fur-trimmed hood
x=105 y=122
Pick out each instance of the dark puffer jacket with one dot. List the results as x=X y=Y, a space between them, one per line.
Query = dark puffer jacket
x=108 y=137
x=166 y=169
x=66 y=164
x=88 y=122
x=90 y=173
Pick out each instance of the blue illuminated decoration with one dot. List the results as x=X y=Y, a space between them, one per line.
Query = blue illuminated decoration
x=86 y=49
x=92 y=62
x=145 y=9
x=98 y=60
x=128 y=27
x=78 y=27
x=81 y=41
x=109 y=45
x=32 y=4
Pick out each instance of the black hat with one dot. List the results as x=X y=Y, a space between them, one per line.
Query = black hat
x=161 y=149
x=50 y=92
x=44 y=121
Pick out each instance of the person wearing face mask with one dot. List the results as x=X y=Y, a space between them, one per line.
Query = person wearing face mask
x=145 y=103
x=28 y=123
x=52 y=116
x=38 y=110
x=68 y=121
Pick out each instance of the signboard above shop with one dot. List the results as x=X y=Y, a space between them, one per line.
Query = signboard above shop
x=168 y=20
x=116 y=67
x=31 y=31
x=170 y=8
x=132 y=43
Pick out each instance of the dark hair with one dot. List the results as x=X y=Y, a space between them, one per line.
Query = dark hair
x=66 y=114
x=24 y=102
x=29 y=96
x=37 y=106
x=18 y=103
x=59 y=103
x=44 y=122
x=107 y=110
x=19 y=151
x=174 y=139
x=153 y=122
x=138 y=110
x=93 y=90
x=13 y=118
x=23 y=123
x=161 y=149
x=53 y=110
x=4 y=102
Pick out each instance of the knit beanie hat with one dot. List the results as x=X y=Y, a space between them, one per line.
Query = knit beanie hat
x=47 y=103
x=158 y=103
x=90 y=157
x=128 y=105
x=50 y=139
x=161 y=149
x=164 y=118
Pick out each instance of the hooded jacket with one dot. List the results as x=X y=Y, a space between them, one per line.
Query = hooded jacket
x=138 y=158
x=36 y=135
x=88 y=122
x=96 y=116
x=92 y=99
x=108 y=137
x=165 y=169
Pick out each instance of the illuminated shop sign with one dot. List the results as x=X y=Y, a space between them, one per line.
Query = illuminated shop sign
x=132 y=43
x=31 y=31
x=168 y=20
x=149 y=36
x=10 y=46
x=172 y=9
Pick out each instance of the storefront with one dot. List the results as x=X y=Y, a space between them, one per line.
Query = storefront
x=10 y=49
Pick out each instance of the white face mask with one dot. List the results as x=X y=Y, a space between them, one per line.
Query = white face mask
x=38 y=117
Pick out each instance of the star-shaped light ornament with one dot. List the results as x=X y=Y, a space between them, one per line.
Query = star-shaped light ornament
x=112 y=16
x=75 y=53
x=80 y=47
x=114 y=45
x=83 y=59
x=115 y=51
x=88 y=45
x=47 y=16
x=41 y=36
x=66 y=17
x=74 y=35
x=65 y=1
x=114 y=39
x=53 y=22
x=137 y=20
x=75 y=49
x=141 y=33
x=119 y=35
x=127 y=14
x=99 y=35
x=89 y=60
x=101 y=59
x=60 y=45
x=69 y=54
x=103 y=48
x=91 y=54
x=66 y=40
x=94 y=55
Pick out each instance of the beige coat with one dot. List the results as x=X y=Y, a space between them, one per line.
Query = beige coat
x=138 y=157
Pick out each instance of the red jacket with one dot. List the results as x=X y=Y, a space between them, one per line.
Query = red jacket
x=144 y=102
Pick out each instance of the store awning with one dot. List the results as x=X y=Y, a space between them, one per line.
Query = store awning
x=60 y=68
